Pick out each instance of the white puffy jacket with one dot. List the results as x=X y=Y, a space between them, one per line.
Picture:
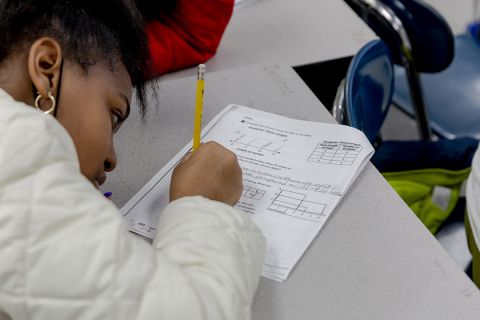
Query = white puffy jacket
x=473 y=197
x=65 y=252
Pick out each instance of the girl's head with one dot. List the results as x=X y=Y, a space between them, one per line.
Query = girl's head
x=89 y=54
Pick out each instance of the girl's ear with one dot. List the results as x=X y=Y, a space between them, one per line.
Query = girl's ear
x=44 y=63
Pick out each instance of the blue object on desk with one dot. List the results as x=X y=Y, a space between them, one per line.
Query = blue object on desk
x=474 y=29
x=452 y=97
x=365 y=95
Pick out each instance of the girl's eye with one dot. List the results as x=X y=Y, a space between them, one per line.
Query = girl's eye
x=116 y=121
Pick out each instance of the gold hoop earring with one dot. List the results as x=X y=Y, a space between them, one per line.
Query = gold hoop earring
x=52 y=100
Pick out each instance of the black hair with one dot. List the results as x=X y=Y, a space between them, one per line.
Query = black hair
x=88 y=31
x=156 y=9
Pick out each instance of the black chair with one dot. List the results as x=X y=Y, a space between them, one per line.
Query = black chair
x=364 y=96
x=419 y=39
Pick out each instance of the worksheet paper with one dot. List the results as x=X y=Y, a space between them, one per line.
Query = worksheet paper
x=294 y=174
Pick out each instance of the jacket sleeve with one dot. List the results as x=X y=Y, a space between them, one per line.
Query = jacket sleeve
x=71 y=256
x=189 y=35
x=473 y=197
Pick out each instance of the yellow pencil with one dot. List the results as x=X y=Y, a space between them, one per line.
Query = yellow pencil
x=197 y=122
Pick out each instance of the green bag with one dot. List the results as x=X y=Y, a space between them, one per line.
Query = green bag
x=432 y=193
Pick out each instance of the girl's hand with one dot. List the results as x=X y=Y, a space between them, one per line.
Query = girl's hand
x=212 y=172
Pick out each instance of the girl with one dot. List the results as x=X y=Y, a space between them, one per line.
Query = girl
x=67 y=69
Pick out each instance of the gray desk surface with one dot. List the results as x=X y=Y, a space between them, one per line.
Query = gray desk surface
x=372 y=260
x=297 y=32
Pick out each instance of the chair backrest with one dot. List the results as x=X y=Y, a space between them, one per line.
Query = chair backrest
x=367 y=90
x=430 y=36
x=419 y=40
x=413 y=24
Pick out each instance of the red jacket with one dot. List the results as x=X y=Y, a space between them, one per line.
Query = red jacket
x=189 y=35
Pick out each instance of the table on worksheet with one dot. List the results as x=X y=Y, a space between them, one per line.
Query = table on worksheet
x=372 y=260
x=297 y=32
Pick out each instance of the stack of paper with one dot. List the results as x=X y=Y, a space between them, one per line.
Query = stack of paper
x=294 y=174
